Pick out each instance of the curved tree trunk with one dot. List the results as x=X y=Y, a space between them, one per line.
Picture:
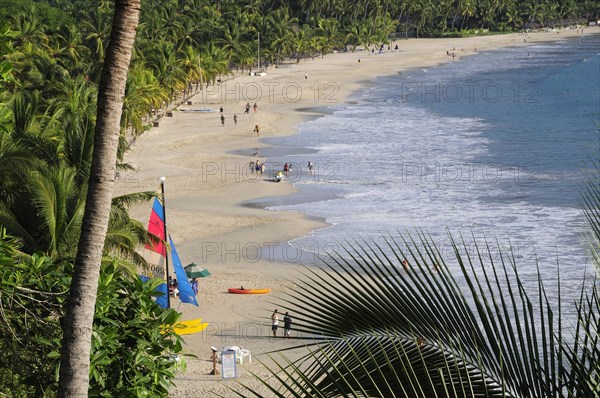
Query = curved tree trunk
x=77 y=324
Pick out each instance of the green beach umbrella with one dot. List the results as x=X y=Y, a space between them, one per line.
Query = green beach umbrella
x=193 y=270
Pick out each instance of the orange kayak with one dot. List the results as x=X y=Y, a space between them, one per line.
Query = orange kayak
x=248 y=291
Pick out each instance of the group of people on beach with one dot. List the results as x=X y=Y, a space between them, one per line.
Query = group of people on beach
x=235 y=116
x=287 y=169
x=287 y=324
x=222 y=113
x=257 y=166
x=173 y=286
x=247 y=110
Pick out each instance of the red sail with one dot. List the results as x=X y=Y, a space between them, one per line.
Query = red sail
x=156 y=226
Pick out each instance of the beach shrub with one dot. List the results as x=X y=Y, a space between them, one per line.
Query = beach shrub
x=132 y=353
x=32 y=293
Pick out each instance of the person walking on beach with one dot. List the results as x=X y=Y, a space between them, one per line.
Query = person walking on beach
x=274 y=322
x=251 y=165
x=256 y=129
x=235 y=119
x=259 y=167
x=310 y=167
x=287 y=325
x=286 y=169
x=222 y=120
x=221 y=110
x=247 y=107
x=255 y=107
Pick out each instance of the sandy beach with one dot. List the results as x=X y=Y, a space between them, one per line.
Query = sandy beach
x=209 y=183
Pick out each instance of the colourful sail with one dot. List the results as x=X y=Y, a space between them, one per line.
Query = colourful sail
x=156 y=226
x=186 y=294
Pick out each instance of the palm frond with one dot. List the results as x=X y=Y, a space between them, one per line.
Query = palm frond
x=127 y=200
x=468 y=327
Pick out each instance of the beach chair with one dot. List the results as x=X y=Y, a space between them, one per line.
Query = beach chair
x=241 y=354
x=244 y=354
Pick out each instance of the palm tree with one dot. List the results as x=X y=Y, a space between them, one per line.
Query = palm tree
x=214 y=63
x=75 y=103
x=513 y=17
x=328 y=30
x=162 y=59
x=231 y=41
x=47 y=211
x=467 y=9
x=77 y=323
x=28 y=29
x=356 y=34
x=533 y=12
x=96 y=26
x=143 y=94
x=69 y=48
x=45 y=161
x=283 y=33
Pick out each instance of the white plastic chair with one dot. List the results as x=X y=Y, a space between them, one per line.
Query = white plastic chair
x=242 y=353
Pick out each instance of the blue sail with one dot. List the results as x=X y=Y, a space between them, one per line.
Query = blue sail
x=186 y=294
x=162 y=299
x=162 y=288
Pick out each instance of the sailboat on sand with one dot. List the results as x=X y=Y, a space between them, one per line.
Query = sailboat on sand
x=159 y=260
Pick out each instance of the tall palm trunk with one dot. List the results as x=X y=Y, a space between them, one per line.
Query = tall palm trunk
x=77 y=324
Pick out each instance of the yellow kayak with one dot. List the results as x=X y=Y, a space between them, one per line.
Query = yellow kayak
x=189 y=326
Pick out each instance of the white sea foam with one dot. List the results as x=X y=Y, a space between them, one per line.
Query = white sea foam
x=400 y=165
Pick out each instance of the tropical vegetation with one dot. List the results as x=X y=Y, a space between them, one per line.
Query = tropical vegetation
x=53 y=50
x=133 y=354
x=51 y=64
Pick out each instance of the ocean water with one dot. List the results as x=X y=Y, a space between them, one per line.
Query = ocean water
x=491 y=146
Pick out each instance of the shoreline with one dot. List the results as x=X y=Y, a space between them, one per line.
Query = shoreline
x=209 y=187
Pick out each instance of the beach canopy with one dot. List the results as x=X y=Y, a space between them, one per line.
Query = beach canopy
x=193 y=270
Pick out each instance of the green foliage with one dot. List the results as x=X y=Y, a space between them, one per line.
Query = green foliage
x=52 y=44
x=133 y=353
x=31 y=297
x=45 y=12
x=122 y=363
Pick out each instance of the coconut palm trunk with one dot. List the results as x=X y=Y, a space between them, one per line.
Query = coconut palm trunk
x=77 y=325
